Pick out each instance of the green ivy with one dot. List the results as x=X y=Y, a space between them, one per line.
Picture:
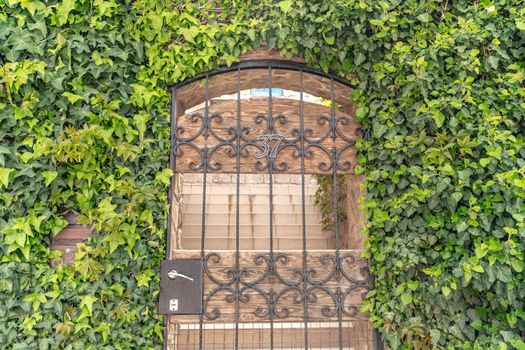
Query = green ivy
x=84 y=112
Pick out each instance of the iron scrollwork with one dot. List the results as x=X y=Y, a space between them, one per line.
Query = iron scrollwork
x=287 y=283
x=211 y=135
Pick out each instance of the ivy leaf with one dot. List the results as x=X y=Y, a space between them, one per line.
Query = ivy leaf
x=105 y=329
x=49 y=176
x=435 y=334
x=500 y=272
x=63 y=9
x=61 y=40
x=251 y=34
x=28 y=324
x=439 y=118
x=4 y=176
x=25 y=250
x=484 y=162
x=26 y=157
x=143 y=279
x=517 y=265
x=462 y=226
x=140 y=121
x=359 y=58
x=19 y=238
x=424 y=17
x=413 y=285
x=285 y=5
x=164 y=176
x=446 y=291
x=456 y=196
x=520 y=24
x=362 y=113
x=493 y=61
x=324 y=64
x=190 y=33
x=406 y=298
x=478 y=268
x=518 y=217
x=23 y=41
x=86 y=301
x=329 y=39
x=30 y=6
x=81 y=326
x=518 y=343
x=72 y=97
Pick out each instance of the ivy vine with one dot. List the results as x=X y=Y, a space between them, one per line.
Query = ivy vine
x=84 y=116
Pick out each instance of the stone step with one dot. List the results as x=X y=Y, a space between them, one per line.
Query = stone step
x=228 y=231
x=258 y=243
x=191 y=208
x=249 y=189
x=229 y=218
x=246 y=234
x=221 y=178
x=248 y=199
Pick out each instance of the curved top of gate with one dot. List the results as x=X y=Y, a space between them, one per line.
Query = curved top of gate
x=222 y=81
x=263 y=63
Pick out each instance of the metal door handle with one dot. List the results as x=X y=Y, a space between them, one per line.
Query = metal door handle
x=172 y=274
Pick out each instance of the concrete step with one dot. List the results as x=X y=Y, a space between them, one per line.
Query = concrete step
x=248 y=199
x=189 y=208
x=249 y=189
x=264 y=232
x=221 y=178
x=228 y=231
x=258 y=243
x=229 y=218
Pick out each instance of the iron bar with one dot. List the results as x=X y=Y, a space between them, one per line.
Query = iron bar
x=303 y=212
x=270 y=174
x=333 y=123
x=203 y=217
x=237 y=205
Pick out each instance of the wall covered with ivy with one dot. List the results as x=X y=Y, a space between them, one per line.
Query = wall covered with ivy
x=84 y=125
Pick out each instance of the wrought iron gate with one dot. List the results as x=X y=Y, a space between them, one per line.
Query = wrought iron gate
x=266 y=290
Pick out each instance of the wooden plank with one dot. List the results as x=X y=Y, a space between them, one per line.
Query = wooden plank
x=223 y=124
x=289 y=305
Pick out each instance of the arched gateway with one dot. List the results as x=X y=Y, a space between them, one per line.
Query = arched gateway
x=252 y=263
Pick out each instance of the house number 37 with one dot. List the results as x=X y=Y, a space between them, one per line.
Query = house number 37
x=265 y=148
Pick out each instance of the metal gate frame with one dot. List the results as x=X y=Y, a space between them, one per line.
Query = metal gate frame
x=236 y=286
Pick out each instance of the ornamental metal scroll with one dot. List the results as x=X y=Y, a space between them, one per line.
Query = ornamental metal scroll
x=270 y=285
x=208 y=140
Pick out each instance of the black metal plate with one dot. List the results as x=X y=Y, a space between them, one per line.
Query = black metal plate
x=181 y=296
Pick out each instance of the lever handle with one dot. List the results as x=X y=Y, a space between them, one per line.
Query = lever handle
x=172 y=274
